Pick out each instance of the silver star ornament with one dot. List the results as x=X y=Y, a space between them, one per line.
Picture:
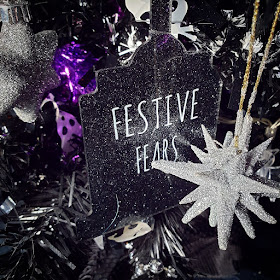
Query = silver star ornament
x=225 y=183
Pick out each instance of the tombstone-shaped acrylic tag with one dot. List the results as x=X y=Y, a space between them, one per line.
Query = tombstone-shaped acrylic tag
x=151 y=109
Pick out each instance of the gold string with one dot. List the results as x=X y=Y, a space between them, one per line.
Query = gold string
x=249 y=62
x=250 y=54
x=264 y=59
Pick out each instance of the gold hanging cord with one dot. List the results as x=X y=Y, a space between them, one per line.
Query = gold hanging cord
x=264 y=59
x=248 y=68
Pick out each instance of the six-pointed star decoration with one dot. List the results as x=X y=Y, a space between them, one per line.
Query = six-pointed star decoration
x=224 y=183
x=25 y=68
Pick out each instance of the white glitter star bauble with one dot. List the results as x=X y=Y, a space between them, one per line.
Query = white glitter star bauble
x=25 y=69
x=224 y=183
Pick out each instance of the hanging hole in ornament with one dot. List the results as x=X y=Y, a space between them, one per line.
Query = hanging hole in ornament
x=49 y=111
x=174 y=5
x=145 y=16
x=132 y=226
x=71 y=122
x=64 y=130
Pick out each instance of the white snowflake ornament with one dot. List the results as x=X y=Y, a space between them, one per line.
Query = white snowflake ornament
x=223 y=182
x=140 y=7
x=178 y=15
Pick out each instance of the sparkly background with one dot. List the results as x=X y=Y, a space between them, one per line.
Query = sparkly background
x=44 y=188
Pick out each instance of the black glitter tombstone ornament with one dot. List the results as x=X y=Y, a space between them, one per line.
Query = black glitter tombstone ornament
x=151 y=109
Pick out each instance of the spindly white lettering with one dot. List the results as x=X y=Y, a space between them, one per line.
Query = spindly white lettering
x=182 y=112
x=193 y=117
x=175 y=111
x=127 y=120
x=145 y=157
x=143 y=117
x=157 y=110
x=160 y=150
x=115 y=122
x=138 y=159
x=168 y=110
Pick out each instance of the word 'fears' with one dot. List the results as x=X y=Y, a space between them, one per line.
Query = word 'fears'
x=128 y=121
x=161 y=151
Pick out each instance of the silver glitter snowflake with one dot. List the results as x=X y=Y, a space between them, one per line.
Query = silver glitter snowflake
x=25 y=68
x=224 y=183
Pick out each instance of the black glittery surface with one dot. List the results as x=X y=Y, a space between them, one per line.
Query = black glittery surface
x=160 y=15
x=162 y=74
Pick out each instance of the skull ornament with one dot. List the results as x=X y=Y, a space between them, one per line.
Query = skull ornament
x=131 y=232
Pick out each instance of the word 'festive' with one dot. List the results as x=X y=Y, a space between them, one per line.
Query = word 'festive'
x=182 y=105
